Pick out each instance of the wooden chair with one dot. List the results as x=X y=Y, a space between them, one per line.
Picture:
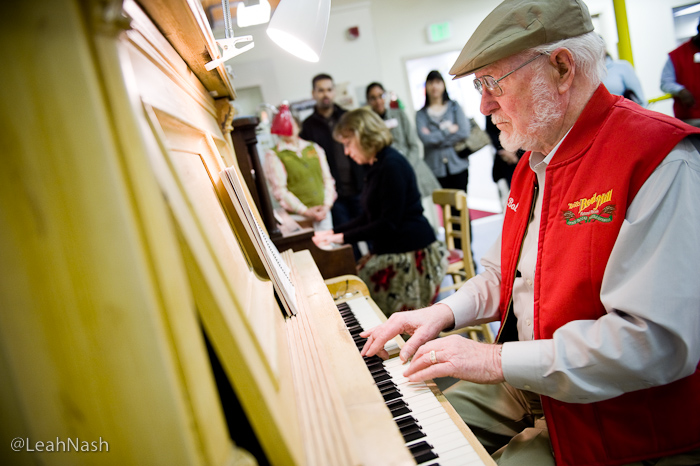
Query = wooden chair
x=455 y=212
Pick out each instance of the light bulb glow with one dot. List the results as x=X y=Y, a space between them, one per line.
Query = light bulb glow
x=299 y=27
x=292 y=45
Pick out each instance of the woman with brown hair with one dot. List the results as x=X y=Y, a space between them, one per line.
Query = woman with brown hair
x=406 y=262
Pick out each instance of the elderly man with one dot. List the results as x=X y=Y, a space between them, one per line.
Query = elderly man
x=594 y=275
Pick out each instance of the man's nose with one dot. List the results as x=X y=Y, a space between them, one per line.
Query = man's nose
x=488 y=103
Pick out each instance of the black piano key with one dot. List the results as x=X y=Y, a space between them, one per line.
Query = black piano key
x=392 y=395
x=421 y=449
x=400 y=411
x=405 y=421
x=373 y=360
x=410 y=428
x=374 y=365
x=427 y=456
x=359 y=341
x=386 y=389
x=378 y=370
x=396 y=403
x=384 y=383
x=411 y=436
x=380 y=377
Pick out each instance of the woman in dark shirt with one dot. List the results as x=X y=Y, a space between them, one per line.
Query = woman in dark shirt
x=406 y=262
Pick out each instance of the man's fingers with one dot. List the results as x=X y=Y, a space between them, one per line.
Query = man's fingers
x=432 y=372
x=376 y=339
x=421 y=360
x=412 y=346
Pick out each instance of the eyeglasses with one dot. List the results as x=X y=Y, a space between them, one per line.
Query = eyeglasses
x=491 y=84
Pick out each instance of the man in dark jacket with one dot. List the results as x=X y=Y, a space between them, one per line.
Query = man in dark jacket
x=318 y=128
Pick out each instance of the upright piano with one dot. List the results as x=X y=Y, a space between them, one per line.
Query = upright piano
x=121 y=249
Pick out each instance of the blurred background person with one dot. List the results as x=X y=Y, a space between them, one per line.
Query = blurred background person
x=440 y=125
x=406 y=142
x=622 y=80
x=406 y=263
x=681 y=78
x=298 y=173
x=348 y=175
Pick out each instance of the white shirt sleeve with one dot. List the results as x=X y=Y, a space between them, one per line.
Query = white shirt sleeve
x=650 y=334
x=476 y=302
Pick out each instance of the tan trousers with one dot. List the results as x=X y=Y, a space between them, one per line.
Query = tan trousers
x=510 y=424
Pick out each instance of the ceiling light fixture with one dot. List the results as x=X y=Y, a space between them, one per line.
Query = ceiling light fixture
x=300 y=26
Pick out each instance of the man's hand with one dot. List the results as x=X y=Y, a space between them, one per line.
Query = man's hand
x=686 y=98
x=458 y=357
x=423 y=324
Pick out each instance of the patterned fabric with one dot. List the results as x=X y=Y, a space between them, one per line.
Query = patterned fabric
x=276 y=175
x=304 y=174
x=404 y=281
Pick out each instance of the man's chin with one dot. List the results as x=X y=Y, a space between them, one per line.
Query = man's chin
x=508 y=142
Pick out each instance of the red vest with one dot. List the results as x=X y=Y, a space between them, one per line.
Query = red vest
x=591 y=181
x=688 y=75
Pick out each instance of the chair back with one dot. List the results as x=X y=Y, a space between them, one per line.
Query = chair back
x=455 y=212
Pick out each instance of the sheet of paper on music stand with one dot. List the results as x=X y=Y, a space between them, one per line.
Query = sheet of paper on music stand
x=276 y=267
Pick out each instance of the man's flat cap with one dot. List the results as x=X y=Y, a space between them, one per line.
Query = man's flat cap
x=517 y=25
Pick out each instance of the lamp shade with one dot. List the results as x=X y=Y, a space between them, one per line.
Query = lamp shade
x=300 y=26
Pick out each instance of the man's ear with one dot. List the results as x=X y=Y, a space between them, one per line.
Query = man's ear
x=563 y=62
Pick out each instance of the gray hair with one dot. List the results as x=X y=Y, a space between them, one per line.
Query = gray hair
x=588 y=51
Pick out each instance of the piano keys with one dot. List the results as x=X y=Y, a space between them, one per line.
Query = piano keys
x=431 y=435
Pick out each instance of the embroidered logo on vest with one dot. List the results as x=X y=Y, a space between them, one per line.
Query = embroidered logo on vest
x=512 y=205
x=589 y=209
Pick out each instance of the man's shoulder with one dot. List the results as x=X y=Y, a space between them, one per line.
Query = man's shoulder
x=311 y=121
x=684 y=47
x=338 y=110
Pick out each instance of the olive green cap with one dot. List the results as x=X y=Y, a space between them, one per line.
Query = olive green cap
x=518 y=25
